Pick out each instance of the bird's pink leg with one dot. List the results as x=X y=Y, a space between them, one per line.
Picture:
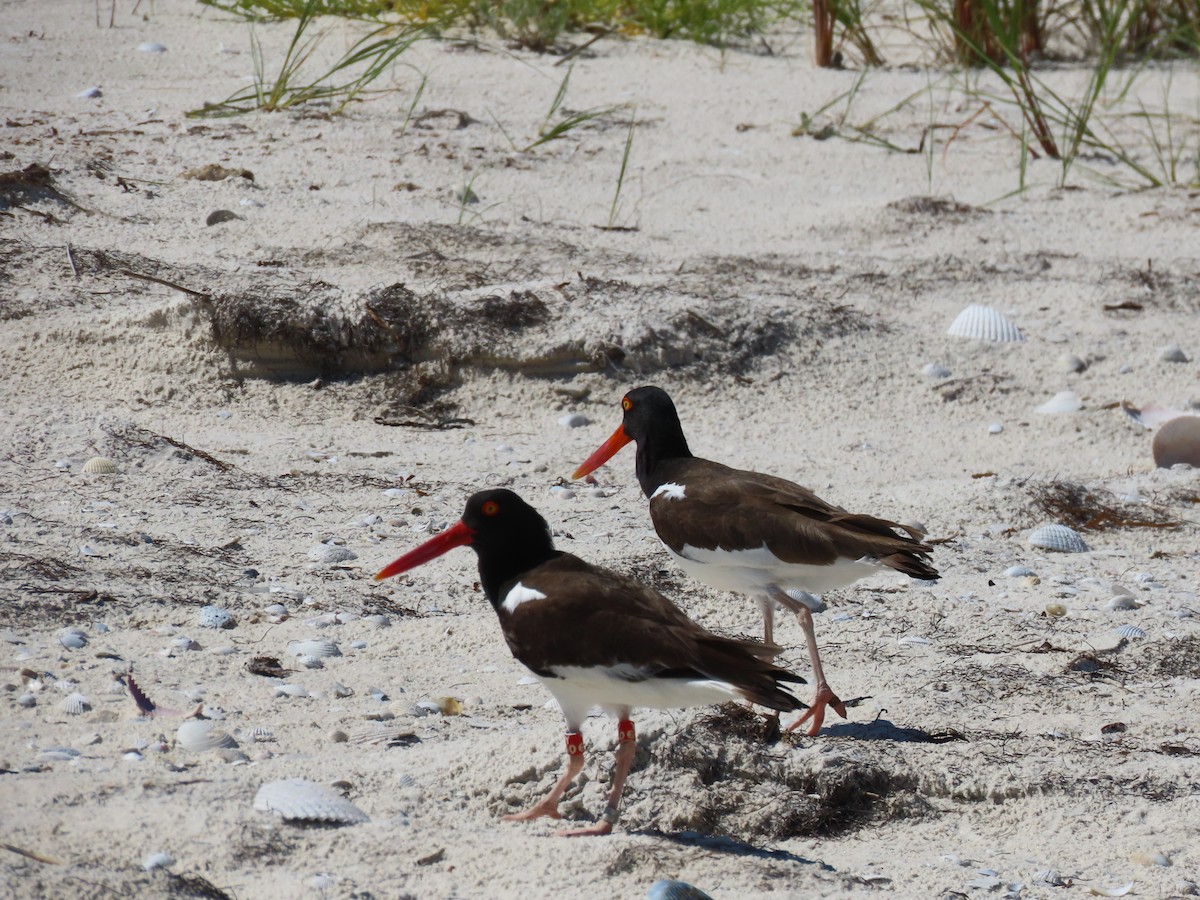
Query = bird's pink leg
x=626 y=746
x=548 y=805
x=815 y=714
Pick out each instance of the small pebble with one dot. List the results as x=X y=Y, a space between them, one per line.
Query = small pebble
x=152 y=47
x=1172 y=353
x=935 y=370
x=90 y=93
x=995 y=428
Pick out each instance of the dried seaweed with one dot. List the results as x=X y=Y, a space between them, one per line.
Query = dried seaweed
x=1087 y=509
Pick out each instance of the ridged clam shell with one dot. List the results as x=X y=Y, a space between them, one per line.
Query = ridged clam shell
x=1129 y=631
x=389 y=735
x=310 y=662
x=201 y=734
x=675 y=890
x=983 y=323
x=1057 y=537
x=1178 y=441
x=100 y=465
x=76 y=704
x=318 y=648
x=300 y=800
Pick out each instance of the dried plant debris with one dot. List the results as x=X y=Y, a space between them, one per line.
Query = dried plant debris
x=752 y=792
x=1174 y=659
x=1088 y=509
x=935 y=206
x=267 y=666
x=33 y=184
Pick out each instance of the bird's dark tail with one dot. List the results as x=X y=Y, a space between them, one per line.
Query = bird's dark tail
x=745 y=664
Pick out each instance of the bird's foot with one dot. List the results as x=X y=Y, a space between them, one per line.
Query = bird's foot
x=537 y=811
x=600 y=829
x=815 y=714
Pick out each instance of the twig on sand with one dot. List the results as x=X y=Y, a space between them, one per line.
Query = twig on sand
x=163 y=281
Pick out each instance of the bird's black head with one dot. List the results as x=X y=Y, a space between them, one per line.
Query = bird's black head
x=650 y=419
x=506 y=533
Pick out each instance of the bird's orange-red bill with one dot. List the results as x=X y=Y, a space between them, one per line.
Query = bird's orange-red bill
x=604 y=453
x=456 y=535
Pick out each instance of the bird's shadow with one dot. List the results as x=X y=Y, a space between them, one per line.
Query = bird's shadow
x=729 y=845
x=885 y=730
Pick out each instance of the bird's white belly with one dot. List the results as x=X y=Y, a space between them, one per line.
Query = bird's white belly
x=754 y=571
x=577 y=689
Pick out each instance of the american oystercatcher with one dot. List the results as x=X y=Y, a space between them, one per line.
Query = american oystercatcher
x=754 y=534
x=594 y=637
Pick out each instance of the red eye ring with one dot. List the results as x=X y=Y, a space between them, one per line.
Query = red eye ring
x=490 y=508
x=626 y=404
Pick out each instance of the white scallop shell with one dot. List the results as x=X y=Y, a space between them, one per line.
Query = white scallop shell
x=1061 y=403
x=1057 y=537
x=73 y=638
x=377 y=621
x=260 y=735
x=1121 y=602
x=100 y=465
x=201 y=734
x=389 y=735
x=1018 y=571
x=290 y=690
x=300 y=800
x=983 y=323
x=310 y=662
x=76 y=704
x=318 y=648
x=1129 y=631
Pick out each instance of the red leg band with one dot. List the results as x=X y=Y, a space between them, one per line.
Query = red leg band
x=625 y=731
x=574 y=743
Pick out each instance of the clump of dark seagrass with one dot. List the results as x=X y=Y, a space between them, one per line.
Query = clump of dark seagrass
x=1095 y=509
x=750 y=790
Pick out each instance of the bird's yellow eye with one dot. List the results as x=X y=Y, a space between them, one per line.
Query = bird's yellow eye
x=491 y=508
x=626 y=404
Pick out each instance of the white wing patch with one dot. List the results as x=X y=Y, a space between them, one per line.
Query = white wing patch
x=520 y=594
x=670 y=490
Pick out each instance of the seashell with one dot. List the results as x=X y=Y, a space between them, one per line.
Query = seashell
x=813 y=601
x=1057 y=610
x=318 y=648
x=995 y=428
x=184 y=643
x=66 y=685
x=300 y=800
x=1129 y=631
x=935 y=370
x=260 y=735
x=310 y=662
x=100 y=465
x=1061 y=403
x=983 y=323
x=290 y=690
x=1071 y=363
x=90 y=93
x=1121 y=602
x=562 y=493
x=340 y=690
x=574 y=420
x=160 y=860
x=276 y=609
x=1172 y=353
x=912 y=639
x=27 y=700
x=449 y=706
x=377 y=621
x=1018 y=571
x=387 y=735
x=329 y=554
x=76 y=704
x=665 y=889
x=72 y=638
x=1178 y=441
x=358 y=645
x=1121 y=891
x=199 y=735
x=59 y=754
x=216 y=617
x=345 y=618
x=152 y=47
x=1057 y=537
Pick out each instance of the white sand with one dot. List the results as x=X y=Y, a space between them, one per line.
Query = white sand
x=814 y=304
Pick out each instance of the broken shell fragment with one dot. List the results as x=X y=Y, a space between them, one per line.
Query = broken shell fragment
x=1061 y=403
x=983 y=323
x=300 y=800
x=100 y=465
x=1129 y=631
x=216 y=617
x=158 y=860
x=199 y=735
x=1059 y=538
x=72 y=638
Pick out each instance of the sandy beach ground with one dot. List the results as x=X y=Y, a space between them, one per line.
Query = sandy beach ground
x=363 y=350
